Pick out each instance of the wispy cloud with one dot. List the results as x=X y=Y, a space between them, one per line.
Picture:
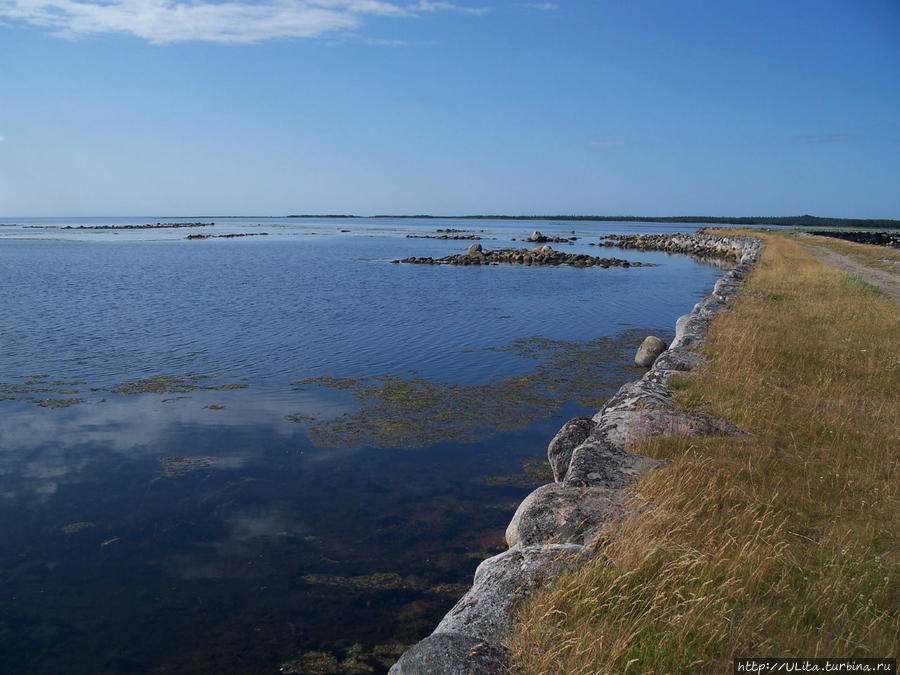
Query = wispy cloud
x=2 y=138
x=546 y=6
x=229 y=22
x=425 y=6
x=608 y=144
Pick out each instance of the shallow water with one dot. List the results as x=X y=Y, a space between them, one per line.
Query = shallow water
x=161 y=510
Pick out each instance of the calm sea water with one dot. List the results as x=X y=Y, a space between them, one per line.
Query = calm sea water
x=172 y=500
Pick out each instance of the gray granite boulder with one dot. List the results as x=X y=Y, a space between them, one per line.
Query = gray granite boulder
x=626 y=428
x=452 y=654
x=562 y=514
x=501 y=582
x=678 y=359
x=474 y=249
x=690 y=331
x=601 y=464
x=650 y=348
x=572 y=434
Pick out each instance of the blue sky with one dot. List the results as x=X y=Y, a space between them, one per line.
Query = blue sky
x=644 y=107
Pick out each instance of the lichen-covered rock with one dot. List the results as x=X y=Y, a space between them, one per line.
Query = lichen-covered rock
x=452 y=654
x=562 y=514
x=474 y=249
x=627 y=427
x=650 y=348
x=501 y=582
x=598 y=463
x=690 y=331
x=572 y=434
x=678 y=359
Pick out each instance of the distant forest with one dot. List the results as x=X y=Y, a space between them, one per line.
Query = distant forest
x=788 y=221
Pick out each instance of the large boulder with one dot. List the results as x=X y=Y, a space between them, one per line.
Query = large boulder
x=452 y=654
x=562 y=514
x=474 y=249
x=572 y=434
x=601 y=464
x=501 y=582
x=650 y=348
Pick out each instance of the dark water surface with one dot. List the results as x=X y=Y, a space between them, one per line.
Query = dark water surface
x=282 y=451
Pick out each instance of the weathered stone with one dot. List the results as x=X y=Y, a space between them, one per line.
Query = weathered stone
x=474 y=249
x=626 y=427
x=572 y=434
x=678 y=359
x=690 y=331
x=650 y=348
x=601 y=464
x=501 y=582
x=452 y=654
x=561 y=514
x=709 y=306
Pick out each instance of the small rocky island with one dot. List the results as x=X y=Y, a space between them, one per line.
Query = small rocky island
x=538 y=256
x=537 y=237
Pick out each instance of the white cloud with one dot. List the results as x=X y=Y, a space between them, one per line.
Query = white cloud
x=229 y=22
x=425 y=6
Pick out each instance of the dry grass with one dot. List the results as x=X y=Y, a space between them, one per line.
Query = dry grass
x=783 y=545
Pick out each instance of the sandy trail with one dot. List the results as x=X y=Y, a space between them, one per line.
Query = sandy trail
x=885 y=281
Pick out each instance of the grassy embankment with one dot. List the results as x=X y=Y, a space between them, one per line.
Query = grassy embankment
x=784 y=545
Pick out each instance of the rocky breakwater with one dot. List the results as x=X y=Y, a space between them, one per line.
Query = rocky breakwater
x=539 y=255
x=560 y=524
x=891 y=239
x=699 y=244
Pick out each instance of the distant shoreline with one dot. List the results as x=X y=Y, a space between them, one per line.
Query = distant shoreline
x=789 y=221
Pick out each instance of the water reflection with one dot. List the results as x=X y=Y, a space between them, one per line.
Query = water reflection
x=196 y=529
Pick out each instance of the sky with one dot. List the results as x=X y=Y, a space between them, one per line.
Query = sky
x=276 y=107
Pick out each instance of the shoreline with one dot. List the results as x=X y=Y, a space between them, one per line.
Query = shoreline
x=556 y=526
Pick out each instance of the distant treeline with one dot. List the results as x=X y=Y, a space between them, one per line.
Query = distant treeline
x=788 y=221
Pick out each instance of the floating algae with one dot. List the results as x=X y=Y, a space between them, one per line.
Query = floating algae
x=383 y=581
x=410 y=413
x=178 y=466
x=534 y=473
x=56 y=402
x=355 y=661
x=166 y=384
x=63 y=393
x=72 y=528
x=38 y=384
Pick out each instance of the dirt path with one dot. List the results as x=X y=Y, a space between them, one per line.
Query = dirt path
x=886 y=281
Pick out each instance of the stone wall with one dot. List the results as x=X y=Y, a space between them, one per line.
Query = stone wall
x=557 y=525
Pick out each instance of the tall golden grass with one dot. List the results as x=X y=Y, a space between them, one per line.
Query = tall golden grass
x=785 y=544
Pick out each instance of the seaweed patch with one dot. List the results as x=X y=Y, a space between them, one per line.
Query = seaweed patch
x=398 y=412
